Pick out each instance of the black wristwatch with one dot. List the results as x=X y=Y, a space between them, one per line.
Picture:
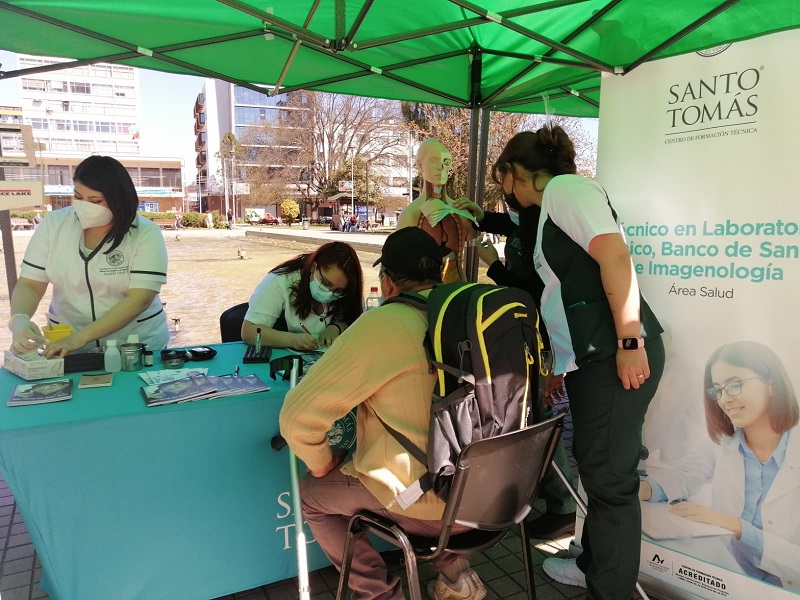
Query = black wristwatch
x=631 y=343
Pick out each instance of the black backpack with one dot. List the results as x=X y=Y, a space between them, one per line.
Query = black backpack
x=484 y=343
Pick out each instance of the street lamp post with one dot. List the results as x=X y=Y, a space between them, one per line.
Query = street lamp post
x=233 y=183
x=352 y=184
x=225 y=185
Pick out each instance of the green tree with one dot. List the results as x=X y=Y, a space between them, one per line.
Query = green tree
x=289 y=210
x=368 y=189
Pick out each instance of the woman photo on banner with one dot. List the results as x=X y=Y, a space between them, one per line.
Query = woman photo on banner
x=751 y=460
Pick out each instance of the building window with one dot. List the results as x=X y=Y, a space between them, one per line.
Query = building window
x=101 y=89
x=33 y=84
x=122 y=72
x=83 y=145
x=76 y=87
x=124 y=91
x=58 y=175
x=39 y=123
x=60 y=144
x=62 y=125
x=57 y=86
x=134 y=173
x=172 y=178
x=101 y=70
x=151 y=177
x=128 y=147
x=104 y=127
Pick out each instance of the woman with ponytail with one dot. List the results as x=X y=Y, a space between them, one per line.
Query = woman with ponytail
x=605 y=339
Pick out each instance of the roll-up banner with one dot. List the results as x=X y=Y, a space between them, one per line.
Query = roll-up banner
x=700 y=156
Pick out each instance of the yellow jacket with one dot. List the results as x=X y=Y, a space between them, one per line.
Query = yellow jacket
x=378 y=365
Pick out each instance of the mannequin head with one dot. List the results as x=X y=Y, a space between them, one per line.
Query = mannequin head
x=434 y=161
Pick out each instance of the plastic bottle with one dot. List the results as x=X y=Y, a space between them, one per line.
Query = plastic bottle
x=112 y=361
x=373 y=300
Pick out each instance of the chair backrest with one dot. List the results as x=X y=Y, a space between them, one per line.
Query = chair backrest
x=496 y=479
x=230 y=322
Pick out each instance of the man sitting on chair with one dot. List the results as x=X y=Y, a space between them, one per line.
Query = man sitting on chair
x=379 y=365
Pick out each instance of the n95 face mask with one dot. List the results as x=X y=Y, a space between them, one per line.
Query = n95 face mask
x=91 y=215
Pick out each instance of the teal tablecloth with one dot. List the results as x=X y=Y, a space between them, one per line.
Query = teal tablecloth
x=172 y=502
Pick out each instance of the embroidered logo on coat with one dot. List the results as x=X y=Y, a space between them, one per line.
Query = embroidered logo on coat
x=115 y=258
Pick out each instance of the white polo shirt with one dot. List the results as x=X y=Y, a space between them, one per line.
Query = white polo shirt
x=88 y=284
x=273 y=298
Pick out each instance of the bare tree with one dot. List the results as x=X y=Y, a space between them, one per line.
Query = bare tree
x=451 y=127
x=315 y=141
x=331 y=130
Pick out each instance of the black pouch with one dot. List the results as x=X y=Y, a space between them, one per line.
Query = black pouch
x=80 y=363
x=189 y=354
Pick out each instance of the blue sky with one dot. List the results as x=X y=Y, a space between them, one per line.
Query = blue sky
x=166 y=125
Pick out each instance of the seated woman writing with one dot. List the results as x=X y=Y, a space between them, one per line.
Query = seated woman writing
x=317 y=294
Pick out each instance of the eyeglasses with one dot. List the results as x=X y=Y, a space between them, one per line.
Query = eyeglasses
x=329 y=286
x=734 y=388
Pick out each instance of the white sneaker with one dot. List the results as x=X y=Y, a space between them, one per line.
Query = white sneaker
x=564 y=570
x=468 y=586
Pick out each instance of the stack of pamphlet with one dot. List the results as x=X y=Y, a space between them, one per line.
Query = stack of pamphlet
x=196 y=385
x=40 y=393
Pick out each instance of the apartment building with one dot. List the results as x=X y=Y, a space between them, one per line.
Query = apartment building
x=221 y=108
x=90 y=109
x=260 y=120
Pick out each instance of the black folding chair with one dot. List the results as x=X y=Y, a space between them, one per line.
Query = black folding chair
x=230 y=322
x=493 y=490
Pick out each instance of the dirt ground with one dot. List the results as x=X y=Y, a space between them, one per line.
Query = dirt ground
x=205 y=277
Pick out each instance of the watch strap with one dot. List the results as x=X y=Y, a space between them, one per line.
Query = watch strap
x=632 y=343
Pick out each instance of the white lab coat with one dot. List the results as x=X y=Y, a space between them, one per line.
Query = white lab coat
x=87 y=285
x=723 y=465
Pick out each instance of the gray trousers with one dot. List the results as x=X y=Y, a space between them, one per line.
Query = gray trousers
x=329 y=502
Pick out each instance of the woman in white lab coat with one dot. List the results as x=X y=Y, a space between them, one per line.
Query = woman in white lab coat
x=106 y=264
x=754 y=469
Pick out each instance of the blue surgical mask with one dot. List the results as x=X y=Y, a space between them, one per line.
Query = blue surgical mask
x=514 y=216
x=322 y=294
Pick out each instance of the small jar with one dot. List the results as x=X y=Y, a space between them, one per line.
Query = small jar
x=147 y=357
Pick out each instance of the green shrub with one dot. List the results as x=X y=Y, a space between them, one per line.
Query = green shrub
x=290 y=210
x=193 y=219
x=27 y=214
x=158 y=215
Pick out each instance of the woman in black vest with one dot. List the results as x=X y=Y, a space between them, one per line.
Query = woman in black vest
x=604 y=337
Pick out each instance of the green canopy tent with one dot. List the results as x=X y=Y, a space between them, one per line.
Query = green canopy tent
x=494 y=54
x=482 y=54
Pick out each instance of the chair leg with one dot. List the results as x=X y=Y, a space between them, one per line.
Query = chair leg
x=347 y=561
x=411 y=573
x=527 y=560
